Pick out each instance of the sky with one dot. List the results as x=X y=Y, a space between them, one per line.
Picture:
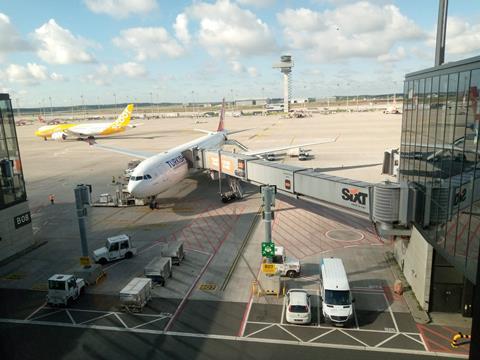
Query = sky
x=102 y=51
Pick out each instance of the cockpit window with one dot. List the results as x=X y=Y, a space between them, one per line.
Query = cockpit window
x=136 y=178
x=146 y=177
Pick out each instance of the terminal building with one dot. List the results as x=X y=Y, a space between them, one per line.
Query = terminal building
x=440 y=158
x=15 y=218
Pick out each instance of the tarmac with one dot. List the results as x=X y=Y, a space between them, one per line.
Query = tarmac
x=211 y=292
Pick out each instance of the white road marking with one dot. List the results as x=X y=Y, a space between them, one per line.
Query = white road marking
x=70 y=316
x=318 y=307
x=391 y=312
x=386 y=340
x=95 y=318
x=423 y=342
x=289 y=333
x=120 y=319
x=353 y=337
x=355 y=317
x=235 y=338
x=36 y=310
x=319 y=336
x=257 y=331
x=411 y=337
x=260 y=322
x=149 y=322
x=45 y=315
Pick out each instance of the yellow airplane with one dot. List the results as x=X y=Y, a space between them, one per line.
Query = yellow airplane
x=63 y=131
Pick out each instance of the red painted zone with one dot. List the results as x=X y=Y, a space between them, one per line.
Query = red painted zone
x=301 y=230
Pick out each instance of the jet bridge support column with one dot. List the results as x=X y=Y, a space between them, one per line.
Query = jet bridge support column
x=268 y=197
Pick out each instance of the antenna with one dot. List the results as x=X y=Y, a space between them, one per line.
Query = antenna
x=285 y=65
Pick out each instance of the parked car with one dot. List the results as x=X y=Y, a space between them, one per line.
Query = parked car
x=298 y=309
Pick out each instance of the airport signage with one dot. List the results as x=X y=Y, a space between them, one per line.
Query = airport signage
x=354 y=196
x=22 y=219
x=268 y=249
x=84 y=260
x=270 y=269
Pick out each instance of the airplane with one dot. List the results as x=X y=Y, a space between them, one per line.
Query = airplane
x=63 y=131
x=159 y=172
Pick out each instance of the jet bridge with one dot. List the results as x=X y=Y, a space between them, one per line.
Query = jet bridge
x=294 y=180
x=391 y=206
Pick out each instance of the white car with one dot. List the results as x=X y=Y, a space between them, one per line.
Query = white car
x=298 y=309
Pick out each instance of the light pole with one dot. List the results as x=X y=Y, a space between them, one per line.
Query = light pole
x=151 y=102
x=83 y=106
x=193 y=102
x=51 y=111
x=115 y=96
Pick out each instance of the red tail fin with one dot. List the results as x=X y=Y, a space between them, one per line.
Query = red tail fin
x=40 y=119
x=222 y=116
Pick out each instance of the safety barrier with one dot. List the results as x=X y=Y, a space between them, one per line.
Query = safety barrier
x=458 y=336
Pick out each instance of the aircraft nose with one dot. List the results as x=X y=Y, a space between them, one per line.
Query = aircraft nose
x=133 y=188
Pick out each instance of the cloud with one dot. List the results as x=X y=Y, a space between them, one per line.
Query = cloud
x=397 y=55
x=237 y=67
x=59 y=46
x=120 y=9
x=101 y=76
x=257 y=3
x=130 y=69
x=57 y=77
x=462 y=37
x=360 y=29
x=226 y=29
x=10 y=40
x=181 y=28
x=148 y=43
x=252 y=71
x=31 y=74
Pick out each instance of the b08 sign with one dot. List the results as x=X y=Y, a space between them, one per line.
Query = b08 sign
x=23 y=219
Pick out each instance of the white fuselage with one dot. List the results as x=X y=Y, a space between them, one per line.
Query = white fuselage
x=160 y=172
x=90 y=129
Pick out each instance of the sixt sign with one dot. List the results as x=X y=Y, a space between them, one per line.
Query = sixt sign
x=354 y=196
x=176 y=161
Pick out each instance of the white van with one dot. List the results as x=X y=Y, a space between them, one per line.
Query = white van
x=335 y=293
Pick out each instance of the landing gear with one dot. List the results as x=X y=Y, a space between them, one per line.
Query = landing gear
x=152 y=202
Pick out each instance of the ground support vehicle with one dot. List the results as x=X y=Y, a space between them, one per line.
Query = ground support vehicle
x=174 y=250
x=159 y=270
x=285 y=266
x=116 y=247
x=136 y=294
x=63 y=289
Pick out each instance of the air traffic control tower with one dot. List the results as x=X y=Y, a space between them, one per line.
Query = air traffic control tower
x=15 y=219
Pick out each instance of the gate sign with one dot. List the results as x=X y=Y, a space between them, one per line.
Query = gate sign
x=269 y=268
x=22 y=219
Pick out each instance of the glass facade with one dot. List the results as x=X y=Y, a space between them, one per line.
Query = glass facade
x=440 y=154
x=12 y=185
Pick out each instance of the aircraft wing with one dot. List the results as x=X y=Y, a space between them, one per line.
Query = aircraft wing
x=134 y=153
x=272 y=150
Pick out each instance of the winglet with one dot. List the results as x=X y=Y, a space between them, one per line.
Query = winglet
x=222 y=116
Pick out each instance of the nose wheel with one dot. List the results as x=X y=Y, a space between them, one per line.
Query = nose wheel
x=152 y=202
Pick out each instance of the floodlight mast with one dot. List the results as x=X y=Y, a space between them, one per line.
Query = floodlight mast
x=285 y=65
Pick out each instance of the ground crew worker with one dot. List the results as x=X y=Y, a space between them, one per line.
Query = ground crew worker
x=51 y=197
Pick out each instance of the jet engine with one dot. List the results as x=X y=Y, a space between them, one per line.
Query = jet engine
x=59 y=135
